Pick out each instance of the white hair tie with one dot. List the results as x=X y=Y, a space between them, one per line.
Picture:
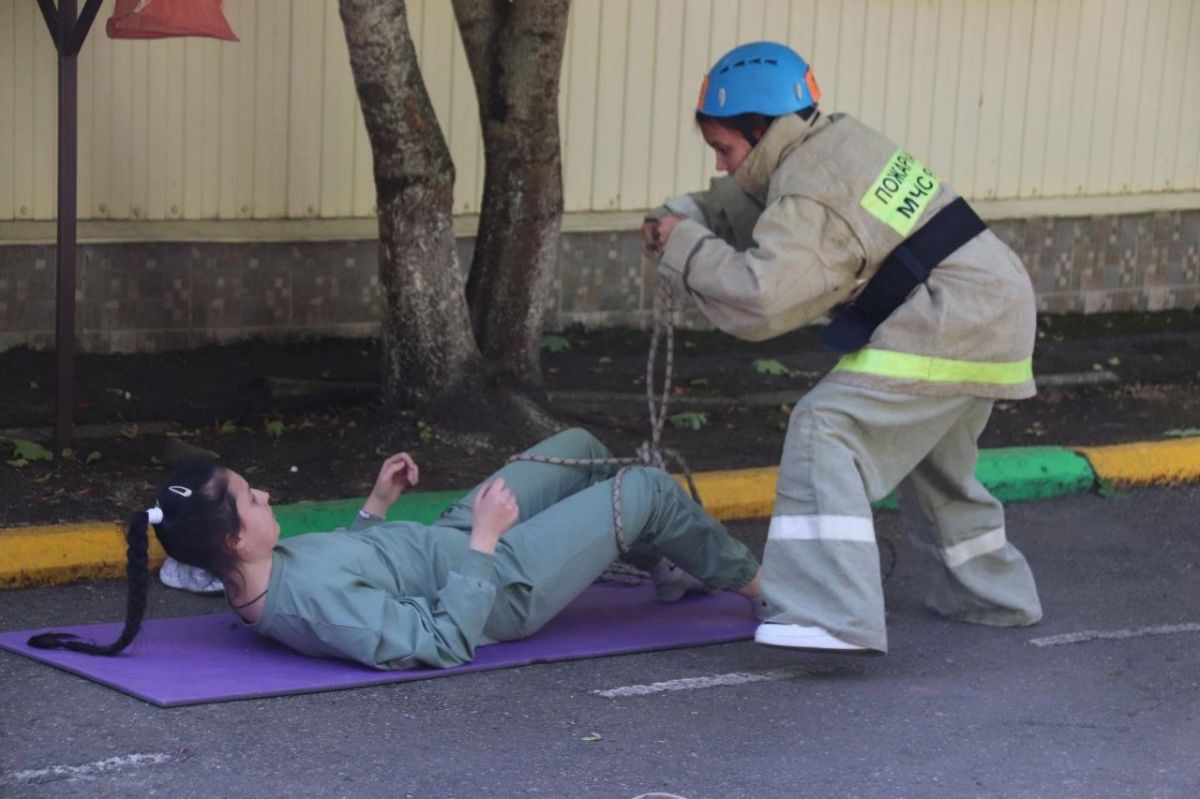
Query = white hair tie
x=154 y=515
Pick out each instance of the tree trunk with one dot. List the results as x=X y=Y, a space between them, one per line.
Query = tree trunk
x=515 y=50
x=430 y=355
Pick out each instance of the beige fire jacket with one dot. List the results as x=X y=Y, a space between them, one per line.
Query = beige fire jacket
x=822 y=204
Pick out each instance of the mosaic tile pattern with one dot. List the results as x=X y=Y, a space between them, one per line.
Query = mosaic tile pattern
x=161 y=296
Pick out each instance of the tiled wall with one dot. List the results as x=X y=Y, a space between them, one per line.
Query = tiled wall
x=160 y=296
x=1136 y=262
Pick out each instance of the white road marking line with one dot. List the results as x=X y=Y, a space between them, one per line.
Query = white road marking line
x=55 y=773
x=1111 y=635
x=711 y=681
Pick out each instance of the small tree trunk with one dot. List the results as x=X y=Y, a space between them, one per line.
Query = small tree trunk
x=429 y=352
x=515 y=54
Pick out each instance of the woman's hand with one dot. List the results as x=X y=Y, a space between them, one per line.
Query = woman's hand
x=493 y=512
x=397 y=473
x=651 y=246
x=664 y=229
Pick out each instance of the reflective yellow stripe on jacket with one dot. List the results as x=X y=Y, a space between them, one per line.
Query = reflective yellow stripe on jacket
x=905 y=366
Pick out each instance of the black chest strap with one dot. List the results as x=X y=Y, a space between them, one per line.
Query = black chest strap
x=905 y=268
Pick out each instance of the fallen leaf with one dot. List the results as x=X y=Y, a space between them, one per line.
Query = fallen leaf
x=555 y=343
x=30 y=451
x=689 y=420
x=770 y=366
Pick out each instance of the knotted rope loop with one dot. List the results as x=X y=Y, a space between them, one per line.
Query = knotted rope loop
x=649 y=453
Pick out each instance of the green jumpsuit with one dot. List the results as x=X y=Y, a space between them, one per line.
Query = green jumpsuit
x=394 y=595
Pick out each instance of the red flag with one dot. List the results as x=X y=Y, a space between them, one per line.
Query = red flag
x=161 y=19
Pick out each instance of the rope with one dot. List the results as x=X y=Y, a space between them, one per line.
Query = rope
x=650 y=453
x=893 y=557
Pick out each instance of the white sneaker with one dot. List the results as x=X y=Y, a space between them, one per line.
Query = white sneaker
x=189 y=578
x=810 y=639
x=672 y=582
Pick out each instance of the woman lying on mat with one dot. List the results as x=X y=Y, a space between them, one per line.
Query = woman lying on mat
x=496 y=566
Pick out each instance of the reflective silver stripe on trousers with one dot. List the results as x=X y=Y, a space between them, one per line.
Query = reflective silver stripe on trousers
x=957 y=555
x=822 y=528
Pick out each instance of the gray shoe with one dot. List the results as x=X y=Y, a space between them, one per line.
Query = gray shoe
x=672 y=582
x=761 y=608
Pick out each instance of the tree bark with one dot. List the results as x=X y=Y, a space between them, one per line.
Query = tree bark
x=515 y=50
x=430 y=355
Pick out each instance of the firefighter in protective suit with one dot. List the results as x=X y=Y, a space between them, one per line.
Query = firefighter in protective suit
x=821 y=216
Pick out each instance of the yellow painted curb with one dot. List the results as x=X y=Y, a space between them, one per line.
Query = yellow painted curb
x=737 y=494
x=68 y=553
x=1157 y=463
x=53 y=555
x=65 y=553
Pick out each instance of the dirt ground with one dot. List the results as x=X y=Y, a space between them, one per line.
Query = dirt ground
x=302 y=419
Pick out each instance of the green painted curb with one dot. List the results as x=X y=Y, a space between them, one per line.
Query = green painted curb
x=55 y=554
x=310 y=517
x=1014 y=474
x=1011 y=474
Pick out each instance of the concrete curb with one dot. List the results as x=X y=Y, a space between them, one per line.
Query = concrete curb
x=57 y=554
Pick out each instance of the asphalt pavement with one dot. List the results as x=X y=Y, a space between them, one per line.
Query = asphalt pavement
x=1102 y=699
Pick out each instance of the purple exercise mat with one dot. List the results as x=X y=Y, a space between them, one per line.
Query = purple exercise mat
x=212 y=658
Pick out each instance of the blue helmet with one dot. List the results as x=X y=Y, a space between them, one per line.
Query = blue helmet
x=758 y=78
